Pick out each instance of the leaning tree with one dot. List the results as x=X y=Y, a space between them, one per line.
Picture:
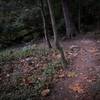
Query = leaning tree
x=57 y=44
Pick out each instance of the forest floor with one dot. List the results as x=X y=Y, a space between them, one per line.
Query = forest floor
x=80 y=80
x=83 y=80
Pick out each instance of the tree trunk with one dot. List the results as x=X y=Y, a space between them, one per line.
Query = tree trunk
x=79 y=17
x=70 y=28
x=44 y=24
x=57 y=45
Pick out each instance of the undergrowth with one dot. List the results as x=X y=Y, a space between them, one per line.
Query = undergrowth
x=14 y=54
x=19 y=90
x=17 y=86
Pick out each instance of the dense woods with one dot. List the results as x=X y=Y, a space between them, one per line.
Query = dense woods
x=23 y=20
x=49 y=49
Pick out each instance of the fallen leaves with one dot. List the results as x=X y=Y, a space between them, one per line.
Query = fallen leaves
x=92 y=50
x=72 y=74
x=37 y=63
x=8 y=75
x=58 y=56
x=27 y=81
x=67 y=74
x=77 y=87
x=45 y=92
x=62 y=75
x=75 y=48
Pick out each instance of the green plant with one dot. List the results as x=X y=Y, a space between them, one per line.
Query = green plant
x=13 y=54
x=49 y=71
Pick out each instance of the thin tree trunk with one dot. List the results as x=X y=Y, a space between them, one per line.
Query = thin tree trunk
x=55 y=34
x=79 y=17
x=70 y=28
x=44 y=24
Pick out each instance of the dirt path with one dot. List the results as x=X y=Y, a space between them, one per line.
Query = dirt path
x=79 y=81
x=83 y=82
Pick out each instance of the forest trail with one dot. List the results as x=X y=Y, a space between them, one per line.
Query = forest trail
x=80 y=80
